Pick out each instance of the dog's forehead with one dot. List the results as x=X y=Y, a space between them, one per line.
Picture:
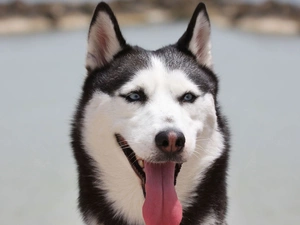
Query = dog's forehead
x=158 y=76
x=129 y=64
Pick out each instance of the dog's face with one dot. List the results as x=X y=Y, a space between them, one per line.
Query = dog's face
x=160 y=97
x=156 y=106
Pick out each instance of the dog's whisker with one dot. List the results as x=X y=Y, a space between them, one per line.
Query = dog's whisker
x=132 y=156
x=203 y=139
x=124 y=145
x=203 y=149
x=197 y=155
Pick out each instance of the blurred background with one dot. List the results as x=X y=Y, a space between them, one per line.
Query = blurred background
x=256 y=50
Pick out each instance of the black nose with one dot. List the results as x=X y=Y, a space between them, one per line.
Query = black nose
x=170 y=141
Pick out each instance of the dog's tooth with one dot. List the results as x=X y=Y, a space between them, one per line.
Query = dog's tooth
x=141 y=163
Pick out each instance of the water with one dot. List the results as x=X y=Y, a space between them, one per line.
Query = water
x=41 y=75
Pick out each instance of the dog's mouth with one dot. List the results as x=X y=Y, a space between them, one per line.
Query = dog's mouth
x=161 y=204
x=138 y=164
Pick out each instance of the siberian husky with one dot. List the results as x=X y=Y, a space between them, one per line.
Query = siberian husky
x=148 y=136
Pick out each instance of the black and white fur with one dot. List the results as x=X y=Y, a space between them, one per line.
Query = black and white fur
x=110 y=192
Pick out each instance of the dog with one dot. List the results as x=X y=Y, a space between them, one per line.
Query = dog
x=148 y=136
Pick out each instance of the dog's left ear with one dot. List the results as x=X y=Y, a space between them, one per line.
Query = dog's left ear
x=196 y=38
x=105 y=39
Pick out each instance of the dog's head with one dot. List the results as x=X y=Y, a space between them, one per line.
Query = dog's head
x=156 y=106
x=157 y=102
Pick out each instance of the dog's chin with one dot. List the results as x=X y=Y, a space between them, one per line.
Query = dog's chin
x=138 y=164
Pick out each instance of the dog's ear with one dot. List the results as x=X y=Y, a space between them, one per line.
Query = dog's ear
x=104 y=39
x=196 y=38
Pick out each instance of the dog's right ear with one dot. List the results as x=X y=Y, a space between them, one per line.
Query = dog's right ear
x=105 y=39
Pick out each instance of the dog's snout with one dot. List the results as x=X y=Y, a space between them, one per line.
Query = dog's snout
x=170 y=141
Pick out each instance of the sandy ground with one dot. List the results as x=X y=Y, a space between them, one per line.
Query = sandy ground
x=41 y=77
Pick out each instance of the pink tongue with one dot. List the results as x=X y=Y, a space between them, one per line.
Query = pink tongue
x=161 y=206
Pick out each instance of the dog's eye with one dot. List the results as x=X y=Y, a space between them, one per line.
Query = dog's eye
x=135 y=96
x=188 y=97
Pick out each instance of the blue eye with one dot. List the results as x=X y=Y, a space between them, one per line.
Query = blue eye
x=188 y=97
x=135 y=96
